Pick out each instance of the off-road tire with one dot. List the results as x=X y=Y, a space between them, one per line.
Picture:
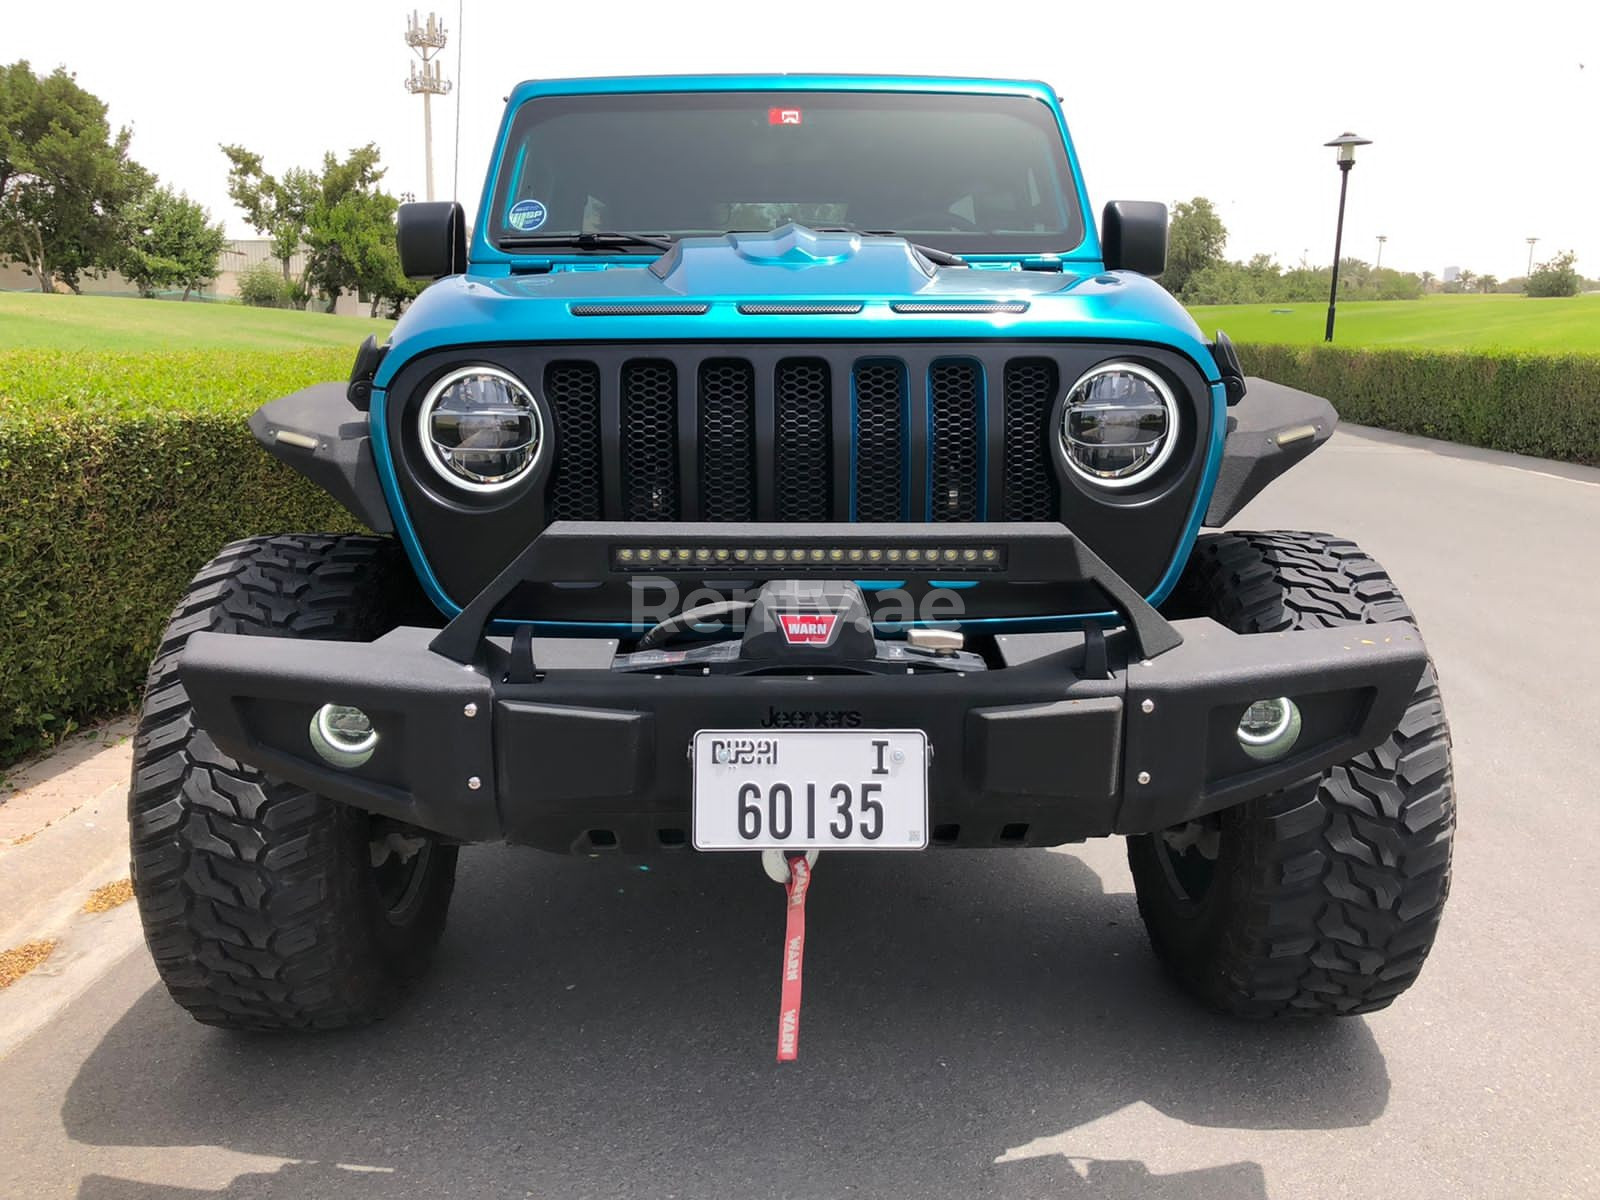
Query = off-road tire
x=260 y=900
x=1324 y=898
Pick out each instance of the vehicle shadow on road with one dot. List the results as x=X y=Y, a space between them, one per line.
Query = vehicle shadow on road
x=593 y=1029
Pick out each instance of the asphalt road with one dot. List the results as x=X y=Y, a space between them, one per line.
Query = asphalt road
x=976 y=1023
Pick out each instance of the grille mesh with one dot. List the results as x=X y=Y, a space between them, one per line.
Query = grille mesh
x=954 y=415
x=573 y=391
x=650 y=440
x=727 y=440
x=880 y=441
x=639 y=476
x=1030 y=389
x=804 y=483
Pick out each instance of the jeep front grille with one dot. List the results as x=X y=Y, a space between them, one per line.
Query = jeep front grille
x=740 y=433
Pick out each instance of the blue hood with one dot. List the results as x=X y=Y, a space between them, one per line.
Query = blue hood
x=703 y=282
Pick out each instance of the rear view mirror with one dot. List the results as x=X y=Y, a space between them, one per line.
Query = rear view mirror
x=433 y=239
x=1133 y=234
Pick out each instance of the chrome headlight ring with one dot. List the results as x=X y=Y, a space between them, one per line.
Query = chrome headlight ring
x=518 y=449
x=1149 y=456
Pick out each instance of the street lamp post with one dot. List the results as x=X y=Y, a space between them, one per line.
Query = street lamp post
x=1346 y=144
x=1531 y=241
x=1382 y=238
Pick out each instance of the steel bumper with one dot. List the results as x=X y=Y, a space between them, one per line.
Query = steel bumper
x=1058 y=742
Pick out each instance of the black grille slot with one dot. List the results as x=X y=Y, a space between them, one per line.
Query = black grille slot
x=727 y=440
x=1030 y=391
x=649 y=440
x=955 y=416
x=573 y=392
x=880 y=441
x=802 y=400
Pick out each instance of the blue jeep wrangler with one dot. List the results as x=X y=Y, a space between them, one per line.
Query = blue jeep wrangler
x=788 y=464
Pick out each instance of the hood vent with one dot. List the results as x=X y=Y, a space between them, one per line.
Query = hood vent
x=801 y=308
x=641 y=308
x=960 y=306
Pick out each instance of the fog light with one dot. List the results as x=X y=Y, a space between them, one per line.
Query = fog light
x=1269 y=728
x=343 y=736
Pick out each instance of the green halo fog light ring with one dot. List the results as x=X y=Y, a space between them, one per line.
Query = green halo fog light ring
x=1269 y=728
x=342 y=735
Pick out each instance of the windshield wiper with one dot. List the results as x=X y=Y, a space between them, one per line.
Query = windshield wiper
x=938 y=257
x=585 y=241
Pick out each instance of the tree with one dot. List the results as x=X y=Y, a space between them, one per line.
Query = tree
x=348 y=225
x=64 y=177
x=170 y=242
x=1467 y=280
x=1194 y=241
x=338 y=214
x=1488 y=283
x=275 y=207
x=1558 y=277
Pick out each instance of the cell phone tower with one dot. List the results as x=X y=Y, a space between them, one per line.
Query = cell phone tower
x=426 y=39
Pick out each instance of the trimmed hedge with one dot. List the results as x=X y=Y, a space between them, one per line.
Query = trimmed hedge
x=120 y=476
x=1547 y=406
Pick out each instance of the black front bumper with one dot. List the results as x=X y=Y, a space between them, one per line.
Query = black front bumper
x=1064 y=737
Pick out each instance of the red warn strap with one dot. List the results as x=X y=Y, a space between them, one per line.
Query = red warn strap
x=794 y=948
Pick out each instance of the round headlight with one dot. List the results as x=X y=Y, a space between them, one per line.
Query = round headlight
x=480 y=428
x=1119 y=424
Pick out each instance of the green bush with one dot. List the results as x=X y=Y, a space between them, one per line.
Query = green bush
x=1544 y=405
x=1558 y=277
x=123 y=475
x=263 y=286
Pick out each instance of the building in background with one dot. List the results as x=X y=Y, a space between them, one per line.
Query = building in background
x=238 y=254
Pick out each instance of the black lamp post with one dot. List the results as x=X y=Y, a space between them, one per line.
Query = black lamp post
x=1346 y=144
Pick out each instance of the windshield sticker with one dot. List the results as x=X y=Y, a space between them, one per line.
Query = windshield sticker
x=783 y=116
x=527 y=215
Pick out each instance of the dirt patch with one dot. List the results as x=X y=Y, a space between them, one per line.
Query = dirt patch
x=103 y=899
x=17 y=962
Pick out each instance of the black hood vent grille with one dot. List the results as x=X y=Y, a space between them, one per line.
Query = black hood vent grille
x=960 y=306
x=641 y=308
x=801 y=308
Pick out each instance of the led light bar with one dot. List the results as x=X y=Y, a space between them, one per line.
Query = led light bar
x=943 y=558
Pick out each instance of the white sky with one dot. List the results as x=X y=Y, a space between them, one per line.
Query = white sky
x=1482 y=119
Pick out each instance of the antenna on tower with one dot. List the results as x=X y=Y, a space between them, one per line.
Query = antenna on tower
x=426 y=39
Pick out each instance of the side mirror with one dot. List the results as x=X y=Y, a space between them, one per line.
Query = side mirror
x=1133 y=236
x=433 y=239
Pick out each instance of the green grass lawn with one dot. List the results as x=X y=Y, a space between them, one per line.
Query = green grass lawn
x=30 y=321
x=1435 y=322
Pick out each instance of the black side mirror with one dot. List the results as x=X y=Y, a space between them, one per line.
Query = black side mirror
x=433 y=239
x=1133 y=235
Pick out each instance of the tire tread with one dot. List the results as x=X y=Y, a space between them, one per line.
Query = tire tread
x=1343 y=879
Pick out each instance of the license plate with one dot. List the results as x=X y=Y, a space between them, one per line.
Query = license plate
x=819 y=789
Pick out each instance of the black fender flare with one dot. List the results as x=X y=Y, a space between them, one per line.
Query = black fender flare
x=1270 y=429
x=326 y=438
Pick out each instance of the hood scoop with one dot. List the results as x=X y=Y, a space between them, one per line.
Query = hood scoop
x=793 y=261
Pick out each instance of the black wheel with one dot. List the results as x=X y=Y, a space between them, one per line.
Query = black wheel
x=267 y=906
x=1322 y=899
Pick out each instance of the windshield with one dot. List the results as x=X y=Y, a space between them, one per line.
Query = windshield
x=968 y=173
